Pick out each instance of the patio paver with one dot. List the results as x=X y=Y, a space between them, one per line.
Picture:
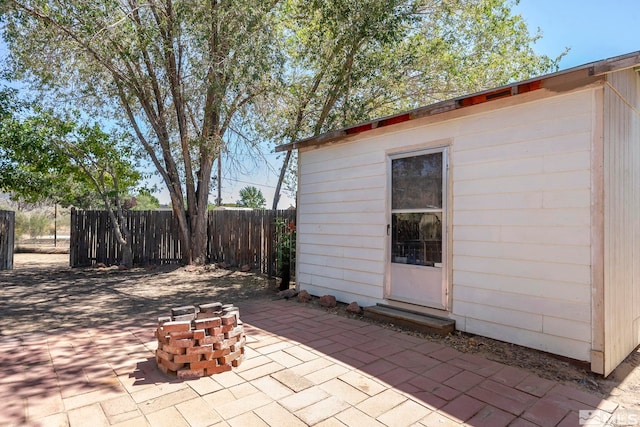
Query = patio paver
x=295 y=374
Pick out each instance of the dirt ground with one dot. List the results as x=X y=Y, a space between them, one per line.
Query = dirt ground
x=43 y=290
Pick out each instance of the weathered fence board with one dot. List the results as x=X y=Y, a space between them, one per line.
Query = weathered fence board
x=153 y=238
x=235 y=237
x=7 y=236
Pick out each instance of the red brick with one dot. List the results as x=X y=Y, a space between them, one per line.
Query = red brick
x=477 y=364
x=463 y=407
x=216 y=354
x=412 y=360
x=464 y=380
x=176 y=326
x=171 y=365
x=423 y=383
x=218 y=369
x=225 y=343
x=163 y=319
x=186 y=358
x=210 y=315
x=238 y=361
x=442 y=372
x=501 y=396
x=229 y=319
x=207 y=348
x=185 y=309
x=173 y=349
x=215 y=331
x=229 y=358
x=573 y=419
x=510 y=376
x=166 y=370
x=178 y=335
x=211 y=339
x=235 y=332
x=205 y=364
x=185 y=317
x=161 y=335
x=520 y=422
x=182 y=343
x=210 y=307
x=546 y=411
x=491 y=417
x=198 y=334
x=208 y=323
x=227 y=328
x=535 y=385
x=445 y=354
x=185 y=374
x=583 y=398
x=164 y=355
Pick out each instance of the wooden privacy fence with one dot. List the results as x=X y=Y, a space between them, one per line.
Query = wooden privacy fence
x=154 y=238
x=235 y=237
x=7 y=230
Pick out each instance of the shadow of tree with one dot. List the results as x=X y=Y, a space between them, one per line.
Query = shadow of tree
x=47 y=299
x=58 y=326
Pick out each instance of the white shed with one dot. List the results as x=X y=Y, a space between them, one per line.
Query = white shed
x=515 y=212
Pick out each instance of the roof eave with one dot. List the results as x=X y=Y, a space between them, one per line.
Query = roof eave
x=596 y=68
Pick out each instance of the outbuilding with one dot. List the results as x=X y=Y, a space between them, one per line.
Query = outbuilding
x=514 y=211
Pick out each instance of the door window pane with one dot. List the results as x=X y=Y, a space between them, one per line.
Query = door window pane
x=417 y=182
x=416 y=238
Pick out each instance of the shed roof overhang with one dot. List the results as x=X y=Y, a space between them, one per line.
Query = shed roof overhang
x=558 y=81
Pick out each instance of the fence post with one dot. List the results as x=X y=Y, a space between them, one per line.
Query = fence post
x=73 y=236
x=7 y=236
x=270 y=236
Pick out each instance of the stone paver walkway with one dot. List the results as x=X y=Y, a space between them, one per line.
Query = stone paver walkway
x=303 y=367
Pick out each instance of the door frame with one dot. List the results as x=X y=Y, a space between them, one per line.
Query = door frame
x=443 y=146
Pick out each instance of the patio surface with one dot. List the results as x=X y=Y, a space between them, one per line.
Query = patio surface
x=77 y=348
x=303 y=366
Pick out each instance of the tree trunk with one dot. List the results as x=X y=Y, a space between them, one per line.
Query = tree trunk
x=127 y=254
x=283 y=170
x=199 y=237
x=183 y=226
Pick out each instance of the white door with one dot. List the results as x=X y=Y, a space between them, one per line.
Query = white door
x=417 y=229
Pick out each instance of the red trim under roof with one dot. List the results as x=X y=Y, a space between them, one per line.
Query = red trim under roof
x=594 y=68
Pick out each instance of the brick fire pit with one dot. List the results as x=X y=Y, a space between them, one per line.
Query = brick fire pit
x=200 y=341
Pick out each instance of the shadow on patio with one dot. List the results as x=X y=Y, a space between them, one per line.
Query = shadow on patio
x=78 y=345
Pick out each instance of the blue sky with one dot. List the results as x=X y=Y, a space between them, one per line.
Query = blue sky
x=593 y=30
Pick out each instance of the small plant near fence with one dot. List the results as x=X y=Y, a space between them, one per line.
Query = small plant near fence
x=285 y=250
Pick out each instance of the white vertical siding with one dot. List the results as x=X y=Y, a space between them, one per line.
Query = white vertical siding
x=622 y=217
x=341 y=220
x=521 y=243
x=521 y=219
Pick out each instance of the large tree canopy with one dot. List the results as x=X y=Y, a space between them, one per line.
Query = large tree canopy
x=193 y=79
x=182 y=73
x=43 y=156
x=350 y=61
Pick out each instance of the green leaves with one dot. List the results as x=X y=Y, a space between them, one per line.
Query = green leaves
x=251 y=197
x=350 y=61
x=44 y=156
